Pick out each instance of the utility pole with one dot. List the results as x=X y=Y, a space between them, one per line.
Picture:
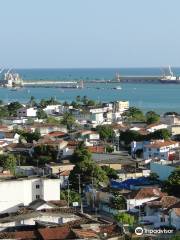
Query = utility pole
x=68 y=193
x=93 y=192
x=80 y=192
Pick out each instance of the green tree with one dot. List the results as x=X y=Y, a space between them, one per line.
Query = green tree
x=45 y=150
x=85 y=100
x=43 y=103
x=119 y=202
x=73 y=196
x=160 y=134
x=8 y=162
x=53 y=101
x=106 y=132
x=109 y=149
x=32 y=101
x=152 y=117
x=87 y=168
x=125 y=218
x=4 y=112
x=68 y=120
x=41 y=114
x=78 y=98
x=81 y=153
x=110 y=172
x=153 y=177
x=13 y=107
x=89 y=171
x=173 y=183
x=91 y=103
x=28 y=136
x=129 y=136
x=134 y=114
x=66 y=104
x=52 y=120
x=75 y=104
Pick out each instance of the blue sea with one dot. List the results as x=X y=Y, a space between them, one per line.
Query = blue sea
x=158 y=97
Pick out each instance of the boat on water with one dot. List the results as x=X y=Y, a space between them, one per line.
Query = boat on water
x=10 y=79
x=117 y=88
x=169 y=77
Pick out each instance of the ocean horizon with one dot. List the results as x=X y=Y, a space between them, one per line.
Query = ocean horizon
x=158 y=97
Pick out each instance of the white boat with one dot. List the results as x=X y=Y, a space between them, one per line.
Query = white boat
x=118 y=88
x=169 y=77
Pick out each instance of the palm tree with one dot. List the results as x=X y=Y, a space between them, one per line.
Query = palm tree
x=32 y=101
x=78 y=98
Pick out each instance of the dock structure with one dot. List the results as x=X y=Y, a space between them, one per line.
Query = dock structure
x=51 y=83
x=130 y=79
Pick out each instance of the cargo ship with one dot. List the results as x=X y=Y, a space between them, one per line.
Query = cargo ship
x=169 y=77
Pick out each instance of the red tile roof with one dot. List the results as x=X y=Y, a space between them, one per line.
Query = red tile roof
x=146 y=193
x=159 y=144
x=87 y=234
x=58 y=233
x=110 y=229
x=25 y=235
x=56 y=134
x=20 y=235
x=64 y=173
x=97 y=149
x=58 y=203
x=164 y=202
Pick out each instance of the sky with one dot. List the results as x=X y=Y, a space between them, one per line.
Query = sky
x=89 y=33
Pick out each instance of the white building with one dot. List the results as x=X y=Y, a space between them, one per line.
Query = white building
x=52 y=109
x=144 y=195
x=160 y=149
x=156 y=126
x=26 y=112
x=21 y=192
x=163 y=212
x=121 y=106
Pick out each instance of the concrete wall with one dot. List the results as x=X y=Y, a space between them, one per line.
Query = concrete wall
x=16 y=193
x=163 y=171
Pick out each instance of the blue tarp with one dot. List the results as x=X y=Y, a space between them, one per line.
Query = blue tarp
x=127 y=183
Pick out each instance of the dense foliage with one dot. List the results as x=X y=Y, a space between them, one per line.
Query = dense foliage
x=73 y=196
x=106 y=132
x=8 y=162
x=125 y=218
x=88 y=170
x=173 y=183
x=110 y=172
x=68 y=120
x=130 y=135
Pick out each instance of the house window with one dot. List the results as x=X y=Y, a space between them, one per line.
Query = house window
x=163 y=219
x=37 y=186
x=158 y=149
x=37 y=196
x=149 y=149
